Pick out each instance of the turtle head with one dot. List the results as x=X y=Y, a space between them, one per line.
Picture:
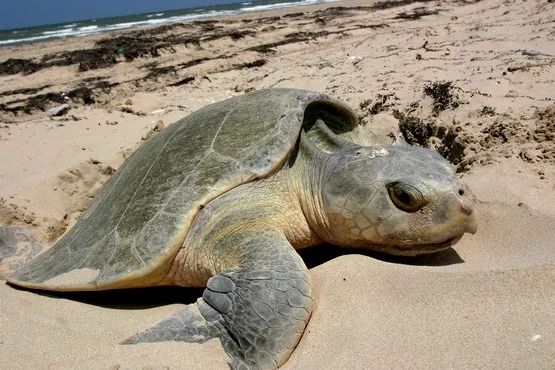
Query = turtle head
x=399 y=199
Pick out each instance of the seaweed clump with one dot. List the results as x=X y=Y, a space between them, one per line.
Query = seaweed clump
x=447 y=141
x=14 y=66
x=83 y=95
x=415 y=130
x=416 y=14
x=442 y=93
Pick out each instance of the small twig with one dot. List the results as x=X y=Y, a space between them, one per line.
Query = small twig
x=533 y=53
x=278 y=81
x=472 y=93
x=427 y=48
x=528 y=65
x=419 y=47
x=357 y=61
x=173 y=107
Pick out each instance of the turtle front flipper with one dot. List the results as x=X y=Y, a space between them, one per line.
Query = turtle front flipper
x=259 y=311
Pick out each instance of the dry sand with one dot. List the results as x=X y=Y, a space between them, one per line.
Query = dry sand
x=487 y=303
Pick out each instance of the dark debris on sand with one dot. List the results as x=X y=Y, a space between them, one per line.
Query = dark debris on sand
x=416 y=14
x=381 y=103
x=84 y=95
x=81 y=95
x=14 y=66
x=414 y=129
x=154 y=42
x=24 y=91
x=256 y=63
x=291 y=38
x=183 y=81
x=443 y=95
x=388 y=4
x=447 y=141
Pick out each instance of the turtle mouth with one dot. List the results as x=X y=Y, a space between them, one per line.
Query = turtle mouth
x=415 y=249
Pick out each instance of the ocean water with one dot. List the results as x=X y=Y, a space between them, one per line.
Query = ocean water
x=93 y=26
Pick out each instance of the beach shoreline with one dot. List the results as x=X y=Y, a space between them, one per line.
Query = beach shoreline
x=91 y=26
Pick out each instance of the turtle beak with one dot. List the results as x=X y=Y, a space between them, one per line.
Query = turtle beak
x=472 y=224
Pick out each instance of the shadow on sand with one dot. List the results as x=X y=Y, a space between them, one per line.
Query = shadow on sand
x=144 y=298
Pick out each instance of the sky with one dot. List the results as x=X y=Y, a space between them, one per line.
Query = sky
x=28 y=13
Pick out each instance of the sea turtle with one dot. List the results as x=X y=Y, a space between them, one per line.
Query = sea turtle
x=222 y=198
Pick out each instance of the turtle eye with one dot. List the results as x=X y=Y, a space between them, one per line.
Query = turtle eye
x=406 y=197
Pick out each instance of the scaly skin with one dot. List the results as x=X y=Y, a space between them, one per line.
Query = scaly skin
x=241 y=245
x=346 y=195
x=258 y=298
x=271 y=204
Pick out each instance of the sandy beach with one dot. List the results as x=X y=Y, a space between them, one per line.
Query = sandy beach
x=473 y=80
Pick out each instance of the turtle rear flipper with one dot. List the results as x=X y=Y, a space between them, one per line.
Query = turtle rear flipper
x=17 y=247
x=258 y=311
x=186 y=325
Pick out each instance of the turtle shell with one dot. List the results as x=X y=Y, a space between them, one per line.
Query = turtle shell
x=132 y=230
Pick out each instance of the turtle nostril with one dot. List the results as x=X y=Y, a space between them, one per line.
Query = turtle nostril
x=467 y=208
x=461 y=192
